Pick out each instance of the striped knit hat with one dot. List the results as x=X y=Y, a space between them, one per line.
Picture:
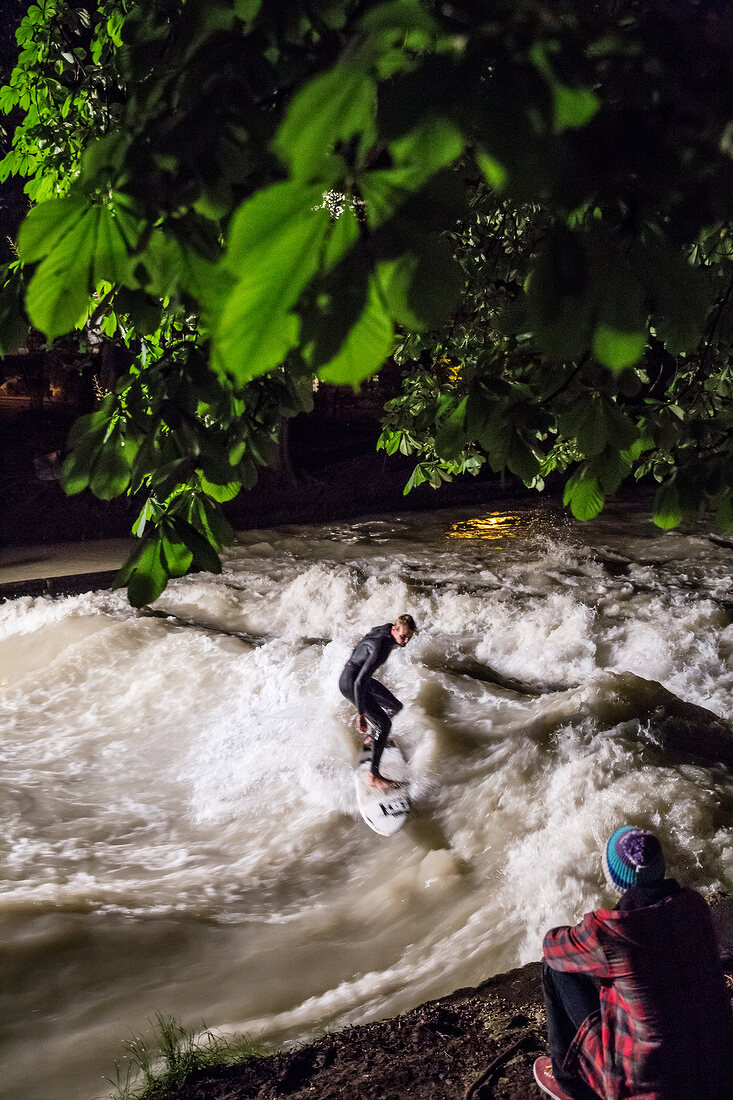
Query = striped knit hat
x=633 y=857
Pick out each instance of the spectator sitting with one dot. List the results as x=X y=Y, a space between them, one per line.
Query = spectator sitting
x=637 y=1006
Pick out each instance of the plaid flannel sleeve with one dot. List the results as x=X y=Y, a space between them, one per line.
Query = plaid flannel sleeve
x=577 y=948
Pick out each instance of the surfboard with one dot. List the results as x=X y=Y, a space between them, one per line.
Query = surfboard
x=384 y=811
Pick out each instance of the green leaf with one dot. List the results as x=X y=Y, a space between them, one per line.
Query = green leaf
x=100 y=455
x=417 y=477
x=274 y=250
x=105 y=156
x=111 y=256
x=584 y=494
x=219 y=492
x=574 y=107
x=8 y=99
x=280 y=216
x=611 y=468
x=585 y=422
x=495 y=439
x=494 y=172
x=206 y=517
x=58 y=293
x=46 y=224
x=433 y=144
x=365 y=348
x=247 y=10
x=594 y=421
x=93 y=423
x=422 y=288
x=114 y=27
x=400 y=15
x=173 y=267
x=175 y=557
x=149 y=575
x=138 y=527
x=343 y=235
x=82 y=246
x=300 y=392
x=616 y=348
x=620 y=331
x=669 y=509
x=450 y=438
x=636 y=450
x=521 y=459
x=622 y=431
x=264 y=451
x=78 y=466
x=336 y=304
x=424 y=152
x=204 y=554
x=145 y=313
x=236 y=452
x=335 y=106
x=111 y=472
x=389 y=441
x=86 y=440
x=108 y=324
x=248 y=474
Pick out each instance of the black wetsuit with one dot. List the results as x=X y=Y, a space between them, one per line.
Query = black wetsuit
x=371 y=698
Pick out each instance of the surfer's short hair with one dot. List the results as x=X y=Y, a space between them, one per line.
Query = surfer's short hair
x=408 y=621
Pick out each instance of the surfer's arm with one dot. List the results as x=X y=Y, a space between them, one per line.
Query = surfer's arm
x=577 y=948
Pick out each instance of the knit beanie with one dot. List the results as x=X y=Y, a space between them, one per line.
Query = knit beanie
x=633 y=857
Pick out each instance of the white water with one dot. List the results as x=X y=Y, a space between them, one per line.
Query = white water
x=179 y=831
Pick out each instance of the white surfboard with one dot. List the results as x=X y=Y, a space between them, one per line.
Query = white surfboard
x=384 y=811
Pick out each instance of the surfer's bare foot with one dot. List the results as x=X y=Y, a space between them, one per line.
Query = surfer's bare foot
x=381 y=783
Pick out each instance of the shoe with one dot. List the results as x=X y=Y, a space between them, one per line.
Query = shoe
x=545 y=1078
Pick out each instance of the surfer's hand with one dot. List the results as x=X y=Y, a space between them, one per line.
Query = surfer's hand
x=361 y=724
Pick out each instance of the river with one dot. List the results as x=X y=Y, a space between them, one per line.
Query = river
x=179 y=831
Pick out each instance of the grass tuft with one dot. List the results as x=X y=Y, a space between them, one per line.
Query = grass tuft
x=153 y=1067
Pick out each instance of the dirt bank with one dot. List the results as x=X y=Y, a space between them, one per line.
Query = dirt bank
x=476 y=1044
x=435 y=1052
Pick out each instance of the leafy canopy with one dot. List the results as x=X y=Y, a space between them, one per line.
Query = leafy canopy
x=528 y=208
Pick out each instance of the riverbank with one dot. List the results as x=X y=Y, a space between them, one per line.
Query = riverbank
x=475 y=1044
x=438 y=1051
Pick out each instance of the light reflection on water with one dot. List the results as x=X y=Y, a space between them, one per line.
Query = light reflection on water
x=494 y=525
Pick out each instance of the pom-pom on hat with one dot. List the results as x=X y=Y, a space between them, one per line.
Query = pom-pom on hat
x=633 y=857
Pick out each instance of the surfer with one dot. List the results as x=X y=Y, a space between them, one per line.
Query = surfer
x=372 y=699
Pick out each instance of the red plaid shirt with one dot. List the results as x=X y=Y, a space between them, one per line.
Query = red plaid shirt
x=664 y=1030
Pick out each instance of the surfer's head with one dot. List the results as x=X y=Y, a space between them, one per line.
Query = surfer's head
x=633 y=857
x=403 y=629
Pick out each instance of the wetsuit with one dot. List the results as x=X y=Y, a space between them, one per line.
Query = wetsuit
x=371 y=698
